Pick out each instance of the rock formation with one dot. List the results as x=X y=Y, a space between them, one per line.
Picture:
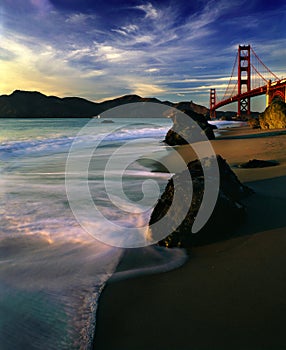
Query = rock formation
x=175 y=136
x=258 y=163
x=274 y=116
x=227 y=215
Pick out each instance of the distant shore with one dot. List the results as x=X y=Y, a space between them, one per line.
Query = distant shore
x=230 y=294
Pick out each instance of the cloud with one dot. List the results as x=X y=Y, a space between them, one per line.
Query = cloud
x=152 y=70
x=111 y=54
x=42 y=6
x=125 y=30
x=130 y=28
x=143 y=89
x=79 y=18
x=211 y=11
x=41 y=71
x=165 y=50
x=150 y=11
x=202 y=80
x=6 y=55
x=115 y=60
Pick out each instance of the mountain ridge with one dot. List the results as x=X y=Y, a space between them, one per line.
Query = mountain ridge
x=34 y=104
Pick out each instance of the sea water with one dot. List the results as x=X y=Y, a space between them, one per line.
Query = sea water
x=51 y=269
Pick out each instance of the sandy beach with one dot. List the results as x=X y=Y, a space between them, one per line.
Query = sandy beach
x=230 y=294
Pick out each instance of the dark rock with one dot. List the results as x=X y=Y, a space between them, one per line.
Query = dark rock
x=229 y=182
x=180 y=132
x=192 y=107
x=212 y=126
x=227 y=215
x=258 y=163
x=226 y=117
x=107 y=121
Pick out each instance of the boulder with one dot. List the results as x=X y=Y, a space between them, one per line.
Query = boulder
x=227 y=215
x=254 y=123
x=175 y=136
x=258 y=163
x=106 y=121
x=274 y=116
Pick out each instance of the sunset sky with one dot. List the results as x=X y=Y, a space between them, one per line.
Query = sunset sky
x=100 y=49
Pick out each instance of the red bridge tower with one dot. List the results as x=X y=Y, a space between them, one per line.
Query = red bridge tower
x=244 y=76
x=240 y=89
x=212 y=103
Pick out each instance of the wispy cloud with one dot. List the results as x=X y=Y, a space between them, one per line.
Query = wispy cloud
x=166 y=49
x=6 y=55
x=151 y=70
x=79 y=18
x=126 y=30
x=42 y=6
x=147 y=89
x=150 y=11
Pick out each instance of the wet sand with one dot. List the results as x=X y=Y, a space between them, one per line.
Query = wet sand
x=230 y=294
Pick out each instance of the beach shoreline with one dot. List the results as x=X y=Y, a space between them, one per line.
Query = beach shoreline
x=229 y=294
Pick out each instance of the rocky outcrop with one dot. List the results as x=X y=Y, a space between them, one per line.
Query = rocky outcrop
x=192 y=107
x=182 y=131
x=274 y=116
x=254 y=123
x=227 y=215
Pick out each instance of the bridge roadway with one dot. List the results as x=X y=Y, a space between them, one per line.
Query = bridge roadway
x=276 y=85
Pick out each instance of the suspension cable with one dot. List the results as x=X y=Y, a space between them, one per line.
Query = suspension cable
x=259 y=60
x=231 y=76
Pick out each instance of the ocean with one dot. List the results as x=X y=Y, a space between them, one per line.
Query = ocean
x=56 y=255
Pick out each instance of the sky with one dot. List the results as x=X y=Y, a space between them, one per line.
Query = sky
x=173 y=50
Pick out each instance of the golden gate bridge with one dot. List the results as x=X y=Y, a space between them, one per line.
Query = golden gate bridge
x=250 y=77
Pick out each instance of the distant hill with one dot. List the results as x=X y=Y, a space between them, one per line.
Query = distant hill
x=33 y=104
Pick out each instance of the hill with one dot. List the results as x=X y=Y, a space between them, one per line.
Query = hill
x=33 y=104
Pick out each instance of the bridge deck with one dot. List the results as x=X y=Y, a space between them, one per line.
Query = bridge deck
x=252 y=93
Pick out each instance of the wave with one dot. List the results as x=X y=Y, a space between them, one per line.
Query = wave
x=148 y=260
x=50 y=292
x=221 y=124
x=34 y=147
x=52 y=271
